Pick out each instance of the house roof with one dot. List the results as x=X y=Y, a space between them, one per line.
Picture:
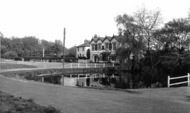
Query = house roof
x=96 y=39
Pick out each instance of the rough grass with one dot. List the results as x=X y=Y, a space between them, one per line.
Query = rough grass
x=14 y=66
x=11 y=104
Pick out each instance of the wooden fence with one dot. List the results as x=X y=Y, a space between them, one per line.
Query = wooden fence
x=178 y=83
x=87 y=65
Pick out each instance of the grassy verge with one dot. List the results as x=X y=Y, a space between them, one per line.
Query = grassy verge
x=11 y=104
x=14 y=66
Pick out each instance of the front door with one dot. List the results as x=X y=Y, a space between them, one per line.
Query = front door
x=95 y=58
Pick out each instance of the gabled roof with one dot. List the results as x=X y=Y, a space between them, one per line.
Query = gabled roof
x=96 y=39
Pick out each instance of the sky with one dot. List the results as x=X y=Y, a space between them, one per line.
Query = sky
x=46 y=19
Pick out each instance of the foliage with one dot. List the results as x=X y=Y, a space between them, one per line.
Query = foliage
x=71 y=52
x=105 y=56
x=20 y=105
x=136 y=32
x=148 y=21
x=175 y=34
x=56 y=48
x=29 y=47
x=147 y=54
x=10 y=54
x=140 y=26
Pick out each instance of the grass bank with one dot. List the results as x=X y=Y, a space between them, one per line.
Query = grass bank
x=11 y=104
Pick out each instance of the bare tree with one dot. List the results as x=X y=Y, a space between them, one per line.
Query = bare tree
x=148 y=21
x=137 y=30
x=130 y=38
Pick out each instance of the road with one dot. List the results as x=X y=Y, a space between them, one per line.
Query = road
x=83 y=100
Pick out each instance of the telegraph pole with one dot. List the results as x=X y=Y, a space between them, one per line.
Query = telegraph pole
x=63 y=76
x=1 y=36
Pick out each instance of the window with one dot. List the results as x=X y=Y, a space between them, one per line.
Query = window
x=102 y=47
x=78 y=48
x=83 y=48
x=99 y=46
x=95 y=47
x=110 y=46
x=114 y=45
x=107 y=45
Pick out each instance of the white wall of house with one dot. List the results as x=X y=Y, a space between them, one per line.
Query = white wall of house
x=81 y=51
x=116 y=44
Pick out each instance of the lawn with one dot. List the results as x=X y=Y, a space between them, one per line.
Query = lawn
x=4 y=66
x=82 y=100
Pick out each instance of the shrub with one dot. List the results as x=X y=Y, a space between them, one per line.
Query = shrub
x=10 y=54
x=51 y=109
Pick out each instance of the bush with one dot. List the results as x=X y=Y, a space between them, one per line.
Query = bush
x=156 y=85
x=51 y=109
x=10 y=55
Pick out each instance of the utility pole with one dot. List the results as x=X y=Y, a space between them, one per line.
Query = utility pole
x=63 y=76
x=0 y=50
x=1 y=36
x=43 y=52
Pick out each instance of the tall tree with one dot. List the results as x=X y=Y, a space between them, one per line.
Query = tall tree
x=136 y=36
x=148 y=21
x=175 y=34
x=56 y=48
x=31 y=45
x=140 y=26
x=17 y=46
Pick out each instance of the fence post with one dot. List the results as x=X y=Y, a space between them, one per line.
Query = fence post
x=78 y=65
x=188 y=78
x=95 y=65
x=86 y=65
x=42 y=79
x=168 y=81
x=71 y=65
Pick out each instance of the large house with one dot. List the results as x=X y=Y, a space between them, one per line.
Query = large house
x=81 y=50
x=103 y=48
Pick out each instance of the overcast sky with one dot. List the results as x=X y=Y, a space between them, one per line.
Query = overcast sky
x=46 y=19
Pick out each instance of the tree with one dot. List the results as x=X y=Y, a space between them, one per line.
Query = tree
x=10 y=54
x=136 y=36
x=17 y=46
x=56 y=48
x=31 y=46
x=71 y=52
x=139 y=27
x=175 y=34
x=148 y=21
x=130 y=37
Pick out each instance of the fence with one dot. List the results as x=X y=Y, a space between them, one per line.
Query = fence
x=87 y=65
x=178 y=83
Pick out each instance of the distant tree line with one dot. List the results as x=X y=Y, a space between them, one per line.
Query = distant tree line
x=32 y=47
